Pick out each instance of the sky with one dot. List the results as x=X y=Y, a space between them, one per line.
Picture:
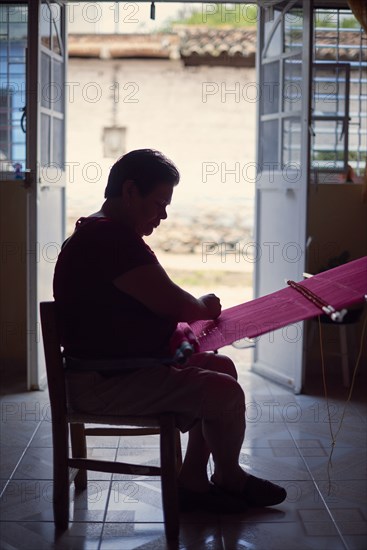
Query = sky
x=126 y=17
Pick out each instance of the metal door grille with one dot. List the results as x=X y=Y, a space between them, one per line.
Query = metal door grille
x=339 y=137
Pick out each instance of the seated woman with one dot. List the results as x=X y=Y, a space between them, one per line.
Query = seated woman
x=118 y=310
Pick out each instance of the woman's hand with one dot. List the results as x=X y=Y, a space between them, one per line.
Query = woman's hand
x=213 y=305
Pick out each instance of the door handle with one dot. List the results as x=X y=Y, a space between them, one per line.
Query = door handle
x=23 y=120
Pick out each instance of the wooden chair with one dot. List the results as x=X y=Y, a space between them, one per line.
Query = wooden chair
x=67 y=469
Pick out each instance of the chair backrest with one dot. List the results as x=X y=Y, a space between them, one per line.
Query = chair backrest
x=54 y=361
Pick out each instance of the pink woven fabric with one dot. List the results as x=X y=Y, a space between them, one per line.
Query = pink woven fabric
x=340 y=287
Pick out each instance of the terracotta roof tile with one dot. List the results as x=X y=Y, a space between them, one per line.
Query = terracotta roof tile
x=201 y=45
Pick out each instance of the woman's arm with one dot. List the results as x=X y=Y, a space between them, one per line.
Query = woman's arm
x=151 y=285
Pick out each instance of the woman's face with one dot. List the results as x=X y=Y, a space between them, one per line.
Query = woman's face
x=148 y=211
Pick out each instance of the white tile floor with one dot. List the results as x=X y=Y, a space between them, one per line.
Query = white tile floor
x=287 y=441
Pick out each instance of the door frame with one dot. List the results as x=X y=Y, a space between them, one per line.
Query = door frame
x=32 y=147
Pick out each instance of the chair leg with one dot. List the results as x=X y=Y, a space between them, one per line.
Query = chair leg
x=178 y=451
x=60 y=475
x=79 y=450
x=169 y=476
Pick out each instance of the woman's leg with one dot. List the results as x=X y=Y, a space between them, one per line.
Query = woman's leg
x=221 y=432
x=193 y=474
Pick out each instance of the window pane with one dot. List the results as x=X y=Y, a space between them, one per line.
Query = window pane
x=339 y=39
x=18 y=31
x=57 y=142
x=45 y=139
x=327 y=147
x=45 y=81
x=13 y=42
x=56 y=28
x=275 y=45
x=57 y=86
x=329 y=90
x=19 y=153
x=292 y=88
x=293 y=29
x=269 y=142
x=45 y=26
x=291 y=141
x=16 y=14
x=270 y=88
x=5 y=142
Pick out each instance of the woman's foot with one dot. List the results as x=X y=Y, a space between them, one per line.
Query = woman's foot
x=258 y=492
x=213 y=500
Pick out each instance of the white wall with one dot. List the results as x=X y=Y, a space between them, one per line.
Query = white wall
x=164 y=106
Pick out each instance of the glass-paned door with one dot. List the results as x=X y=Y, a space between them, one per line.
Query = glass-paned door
x=46 y=151
x=281 y=190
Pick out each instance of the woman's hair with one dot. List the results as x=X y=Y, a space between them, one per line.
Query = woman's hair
x=146 y=167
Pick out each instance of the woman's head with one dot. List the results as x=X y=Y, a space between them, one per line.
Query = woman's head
x=147 y=168
x=139 y=189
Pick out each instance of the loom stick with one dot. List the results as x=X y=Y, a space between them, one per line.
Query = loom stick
x=328 y=309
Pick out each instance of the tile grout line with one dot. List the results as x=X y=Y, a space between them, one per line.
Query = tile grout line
x=20 y=459
x=312 y=478
x=107 y=501
x=319 y=492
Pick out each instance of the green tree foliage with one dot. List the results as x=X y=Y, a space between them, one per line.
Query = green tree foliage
x=329 y=19
x=220 y=15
